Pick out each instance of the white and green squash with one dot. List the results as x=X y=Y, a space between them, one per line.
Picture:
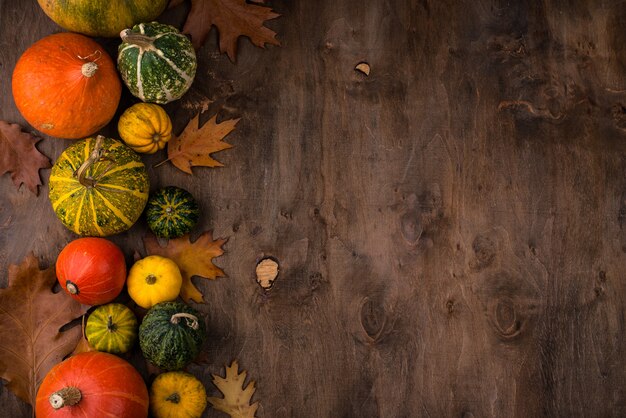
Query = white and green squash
x=157 y=62
x=98 y=187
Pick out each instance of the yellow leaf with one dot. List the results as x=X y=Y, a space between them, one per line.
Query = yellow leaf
x=193 y=259
x=195 y=145
x=236 y=400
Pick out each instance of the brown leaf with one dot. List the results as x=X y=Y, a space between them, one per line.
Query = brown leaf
x=193 y=259
x=83 y=345
x=195 y=145
x=31 y=317
x=233 y=18
x=236 y=400
x=20 y=157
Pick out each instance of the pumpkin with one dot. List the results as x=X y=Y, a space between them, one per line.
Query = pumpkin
x=92 y=384
x=98 y=187
x=111 y=328
x=156 y=61
x=101 y=17
x=152 y=280
x=91 y=270
x=145 y=127
x=171 y=212
x=171 y=334
x=177 y=395
x=66 y=85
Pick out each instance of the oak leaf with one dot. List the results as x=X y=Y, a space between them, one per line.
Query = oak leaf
x=236 y=400
x=31 y=317
x=232 y=18
x=195 y=145
x=20 y=157
x=192 y=258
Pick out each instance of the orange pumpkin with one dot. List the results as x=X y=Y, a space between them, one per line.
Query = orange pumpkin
x=92 y=384
x=66 y=85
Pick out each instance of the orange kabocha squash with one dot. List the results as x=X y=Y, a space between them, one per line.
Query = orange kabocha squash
x=66 y=85
x=92 y=384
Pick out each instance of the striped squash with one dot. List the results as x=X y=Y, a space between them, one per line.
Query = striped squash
x=101 y=17
x=112 y=328
x=157 y=62
x=98 y=187
x=172 y=212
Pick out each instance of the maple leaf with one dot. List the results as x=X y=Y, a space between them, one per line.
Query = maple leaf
x=195 y=145
x=233 y=18
x=20 y=157
x=31 y=317
x=236 y=400
x=193 y=259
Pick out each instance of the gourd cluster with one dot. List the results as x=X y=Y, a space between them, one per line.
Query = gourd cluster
x=67 y=86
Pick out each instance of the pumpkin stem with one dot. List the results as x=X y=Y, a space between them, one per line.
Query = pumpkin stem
x=95 y=155
x=72 y=288
x=151 y=279
x=67 y=396
x=89 y=69
x=173 y=398
x=192 y=320
x=110 y=325
x=142 y=41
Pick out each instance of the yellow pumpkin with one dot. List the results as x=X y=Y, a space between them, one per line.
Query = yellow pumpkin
x=152 y=280
x=145 y=127
x=176 y=395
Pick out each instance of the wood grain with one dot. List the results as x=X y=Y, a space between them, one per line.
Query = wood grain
x=450 y=229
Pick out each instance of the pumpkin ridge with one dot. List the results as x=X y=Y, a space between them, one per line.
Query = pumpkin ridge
x=113 y=187
x=65 y=196
x=171 y=63
x=94 y=214
x=81 y=203
x=113 y=209
x=129 y=165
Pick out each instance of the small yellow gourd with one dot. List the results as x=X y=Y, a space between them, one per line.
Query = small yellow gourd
x=152 y=280
x=177 y=395
x=145 y=127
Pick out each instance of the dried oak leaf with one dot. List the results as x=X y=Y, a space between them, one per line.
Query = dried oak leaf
x=195 y=145
x=236 y=400
x=233 y=18
x=192 y=258
x=31 y=317
x=83 y=345
x=20 y=157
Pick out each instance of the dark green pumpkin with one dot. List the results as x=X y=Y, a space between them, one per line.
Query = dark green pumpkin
x=172 y=212
x=171 y=335
x=156 y=61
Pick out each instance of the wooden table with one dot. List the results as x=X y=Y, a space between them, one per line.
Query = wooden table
x=451 y=229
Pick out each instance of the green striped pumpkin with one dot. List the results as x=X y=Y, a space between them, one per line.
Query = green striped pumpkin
x=172 y=212
x=111 y=328
x=101 y=17
x=171 y=335
x=98 y=187
x=156 y=61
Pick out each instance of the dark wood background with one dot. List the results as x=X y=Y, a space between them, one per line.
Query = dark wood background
x=451 y=229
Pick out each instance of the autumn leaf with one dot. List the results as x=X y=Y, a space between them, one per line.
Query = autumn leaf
x=195 y=145
x=20 y=157
x=236 y=400
x=233 y=18
x=83 y=345
x=193 y=259
x=31 y=317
